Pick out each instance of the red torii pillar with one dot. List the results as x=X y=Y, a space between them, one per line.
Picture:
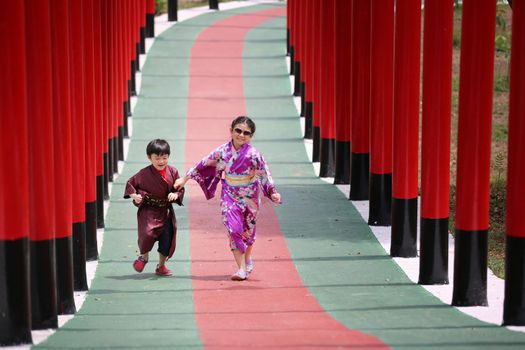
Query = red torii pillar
x=360 y=174
x=297 y=46
x=316 y=77
x=142 y=14
x=343 y=92
x=101 y=147
x=327 y=133
x=435 y=149
x=308 y=68
x=406 y=129
x=15 y=300
x=78 y=144
x=89 y=129
x=42 y=223
x=474 y=142
x=104 y=38
x=381 y=113
x=514 y=305
x=62 y=150
x=150 y=18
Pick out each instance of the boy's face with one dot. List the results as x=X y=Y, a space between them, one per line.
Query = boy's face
x=159 y=161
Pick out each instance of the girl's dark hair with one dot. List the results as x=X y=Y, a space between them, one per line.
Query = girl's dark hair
x=242 y=119
x=158 y=147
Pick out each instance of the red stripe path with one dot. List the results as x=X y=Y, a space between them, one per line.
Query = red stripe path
x=272 y=309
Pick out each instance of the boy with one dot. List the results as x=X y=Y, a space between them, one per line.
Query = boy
x=151 y=190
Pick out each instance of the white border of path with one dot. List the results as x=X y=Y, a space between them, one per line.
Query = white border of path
x=493 y=313
x=161 y=25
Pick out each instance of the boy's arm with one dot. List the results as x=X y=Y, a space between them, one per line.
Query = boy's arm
x=131 y=191
x=179 y=191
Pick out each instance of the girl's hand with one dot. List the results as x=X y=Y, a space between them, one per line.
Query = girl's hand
x=180 y=182
x=276 y=197
x=137 y=198
x=172 y=197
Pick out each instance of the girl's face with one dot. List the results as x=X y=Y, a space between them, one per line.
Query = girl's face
x=241 y=134
x=159 y=162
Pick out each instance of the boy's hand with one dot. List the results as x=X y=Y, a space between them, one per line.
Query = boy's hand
x=172 y=197
x=276 y=197
x=179 y=183
x=137 y=198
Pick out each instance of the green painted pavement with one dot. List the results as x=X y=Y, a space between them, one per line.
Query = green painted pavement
x=337 y=256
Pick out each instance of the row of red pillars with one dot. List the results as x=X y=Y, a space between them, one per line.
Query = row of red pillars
x=357 y=69
x=65 y=97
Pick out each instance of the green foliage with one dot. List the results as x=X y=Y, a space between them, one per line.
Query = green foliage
x=501 y=83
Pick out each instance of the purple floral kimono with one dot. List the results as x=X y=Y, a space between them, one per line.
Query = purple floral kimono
x=243 y=173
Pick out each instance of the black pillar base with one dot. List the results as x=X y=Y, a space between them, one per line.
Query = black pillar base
x=360 y=176
x=303 y=100
x=91 y=231
x=150 y=25
x=117 y=149
x=327 y=158
x=15 y=298
x=64 y=264
x=172 y=11
x=79 y=256
x=142 y=42
x=380 y=213
x=404 y=228
x=433 y=251
x=308 y=127
x=137 y=57
x=292 y=61
x=120 y=141
x=133 y=82
x=100 y=201
x=316 y=152
x=43 y=284
x=111 y=155
x=342 y=162
x=106 y=176
x=214 y=4
x=514 y=304
x=297 y=80
x=470 y=268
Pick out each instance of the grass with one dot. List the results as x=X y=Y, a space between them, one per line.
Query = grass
x=496 y=241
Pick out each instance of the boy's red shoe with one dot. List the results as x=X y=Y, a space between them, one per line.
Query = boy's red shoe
x=162 y=271
x=139 y=264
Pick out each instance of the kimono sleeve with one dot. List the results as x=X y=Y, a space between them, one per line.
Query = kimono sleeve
x=180 y=191
x=265 y=177
x=206 y=173
x=132 y=186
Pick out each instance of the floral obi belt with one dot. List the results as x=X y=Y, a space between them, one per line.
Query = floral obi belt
x=239 y=180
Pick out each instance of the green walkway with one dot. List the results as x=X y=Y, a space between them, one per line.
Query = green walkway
x=334 y=251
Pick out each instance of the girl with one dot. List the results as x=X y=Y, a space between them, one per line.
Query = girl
x=243 y=174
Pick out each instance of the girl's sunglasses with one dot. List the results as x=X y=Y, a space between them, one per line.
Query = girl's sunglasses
x=243 y=132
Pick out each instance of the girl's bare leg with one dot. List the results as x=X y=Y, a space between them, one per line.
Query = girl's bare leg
x=239 y=259
x=248 y=254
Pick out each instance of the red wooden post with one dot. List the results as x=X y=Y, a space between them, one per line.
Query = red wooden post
x=435 y=149
x=42 y=223
x=302 y=48
x=297 y=45
x=62 y=150
x=78 y=144
x=406 y=128
x=15 y=300
x=514 y=307
x=327 y=145
x=381 y=112
x=142 y=12
x=99 y=112
x=343 y=92
x=359 y=179
x=474 y=140
x=308 y=68
x=150 y=18
x=316 y=77
x=89 y=129
x=121 y=83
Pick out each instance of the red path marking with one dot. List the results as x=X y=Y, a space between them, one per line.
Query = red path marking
x=272 y=308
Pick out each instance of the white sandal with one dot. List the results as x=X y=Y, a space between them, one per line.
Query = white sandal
x=240 y=275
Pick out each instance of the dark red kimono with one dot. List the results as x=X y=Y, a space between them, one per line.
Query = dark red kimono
x=154 y=209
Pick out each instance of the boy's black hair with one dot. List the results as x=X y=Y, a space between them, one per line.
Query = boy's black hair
x=158 y=147
x=242 y=119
